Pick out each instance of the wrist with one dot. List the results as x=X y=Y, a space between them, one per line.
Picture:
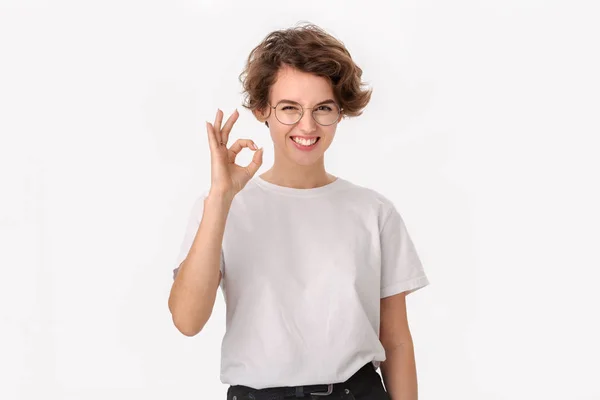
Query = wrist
x=219 y=198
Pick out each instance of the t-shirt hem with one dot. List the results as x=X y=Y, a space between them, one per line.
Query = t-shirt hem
x=406 y=286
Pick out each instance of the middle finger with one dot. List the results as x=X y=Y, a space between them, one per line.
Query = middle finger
x=217 y=125
x=228 y=125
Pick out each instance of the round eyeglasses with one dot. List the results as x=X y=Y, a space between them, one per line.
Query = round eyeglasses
x=289 y=112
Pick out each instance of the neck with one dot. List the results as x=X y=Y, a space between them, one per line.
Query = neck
x=298 y=176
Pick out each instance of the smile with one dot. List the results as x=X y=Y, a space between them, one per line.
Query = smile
x=303 y=143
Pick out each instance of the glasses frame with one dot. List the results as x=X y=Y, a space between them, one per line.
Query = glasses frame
x=340 y=109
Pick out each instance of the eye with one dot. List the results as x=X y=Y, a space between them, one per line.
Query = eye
x=324 y=108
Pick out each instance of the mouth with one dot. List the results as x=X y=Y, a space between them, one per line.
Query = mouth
x=305 y=142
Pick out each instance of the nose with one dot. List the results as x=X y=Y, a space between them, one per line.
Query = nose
x=307 y=124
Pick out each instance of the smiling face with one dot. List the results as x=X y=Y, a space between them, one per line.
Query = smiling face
x=307 y=90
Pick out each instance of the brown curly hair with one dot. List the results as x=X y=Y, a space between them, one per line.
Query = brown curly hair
x=307 y=48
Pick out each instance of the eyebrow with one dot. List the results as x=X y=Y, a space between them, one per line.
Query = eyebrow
x=319 y=103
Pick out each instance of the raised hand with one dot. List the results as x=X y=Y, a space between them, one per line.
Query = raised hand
x=227 y=177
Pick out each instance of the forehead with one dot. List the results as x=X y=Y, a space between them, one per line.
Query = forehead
x=303 y=87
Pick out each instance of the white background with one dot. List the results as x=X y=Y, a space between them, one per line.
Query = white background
x=483 y=129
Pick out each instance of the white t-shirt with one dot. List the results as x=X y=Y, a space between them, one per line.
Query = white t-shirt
x=303 y=274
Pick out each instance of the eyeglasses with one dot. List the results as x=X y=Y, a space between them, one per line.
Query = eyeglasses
x=290 y=112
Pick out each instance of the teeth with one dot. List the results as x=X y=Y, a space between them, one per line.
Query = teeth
x=304 y=142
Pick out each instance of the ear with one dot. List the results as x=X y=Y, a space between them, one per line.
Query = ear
x=261 y=115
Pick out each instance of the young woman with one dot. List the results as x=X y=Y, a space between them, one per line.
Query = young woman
x=314 y=269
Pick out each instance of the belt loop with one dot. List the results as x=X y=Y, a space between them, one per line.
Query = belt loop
x=299 y=391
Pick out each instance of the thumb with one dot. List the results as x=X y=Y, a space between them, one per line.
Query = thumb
x=256 y=162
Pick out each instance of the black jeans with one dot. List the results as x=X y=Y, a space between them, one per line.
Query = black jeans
x=365 y=384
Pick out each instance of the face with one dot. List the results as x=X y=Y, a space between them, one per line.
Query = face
x=308 y=90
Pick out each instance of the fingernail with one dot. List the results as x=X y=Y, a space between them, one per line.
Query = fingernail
x=254 y=146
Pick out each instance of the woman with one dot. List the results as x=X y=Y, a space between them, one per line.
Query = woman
x=314 y=269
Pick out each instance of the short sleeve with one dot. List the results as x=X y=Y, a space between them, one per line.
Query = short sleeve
x=193 y=223
x=401 y=268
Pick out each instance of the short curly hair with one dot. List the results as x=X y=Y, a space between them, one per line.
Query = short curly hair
x=310 y=49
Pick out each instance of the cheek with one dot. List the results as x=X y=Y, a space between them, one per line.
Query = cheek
x=280 y=134
x=329 y=134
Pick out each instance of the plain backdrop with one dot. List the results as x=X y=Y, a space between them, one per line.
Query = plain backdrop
x=483 y=129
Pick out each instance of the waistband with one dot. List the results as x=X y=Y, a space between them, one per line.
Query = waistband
x=360 y=382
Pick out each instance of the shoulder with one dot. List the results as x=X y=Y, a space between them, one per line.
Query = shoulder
x=369 y=194
x=371 y=198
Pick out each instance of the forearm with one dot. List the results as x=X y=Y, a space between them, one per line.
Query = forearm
x=195 y=287
x=399 y=372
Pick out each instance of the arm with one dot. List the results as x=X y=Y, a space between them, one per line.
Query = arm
x=195 y=287
x=399 y=369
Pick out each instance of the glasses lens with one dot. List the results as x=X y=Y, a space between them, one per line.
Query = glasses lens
x=288 y=113
x=326 y=114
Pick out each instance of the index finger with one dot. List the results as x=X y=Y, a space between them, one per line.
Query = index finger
x=237 y=147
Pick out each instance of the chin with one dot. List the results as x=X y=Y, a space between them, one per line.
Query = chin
x=306 y=160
